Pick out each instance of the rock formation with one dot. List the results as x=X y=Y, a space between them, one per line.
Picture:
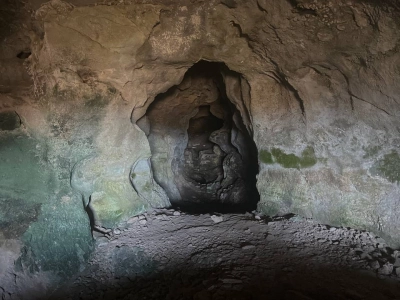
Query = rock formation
x=105 y=113
x=203 y=155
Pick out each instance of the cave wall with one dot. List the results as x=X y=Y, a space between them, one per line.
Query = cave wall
x=322 y=87
x=202 y=152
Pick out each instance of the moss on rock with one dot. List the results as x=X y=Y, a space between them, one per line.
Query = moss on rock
x=265 y=157
x=306 y=160
x=388 y=167
x=16 y=215
x=60 y=241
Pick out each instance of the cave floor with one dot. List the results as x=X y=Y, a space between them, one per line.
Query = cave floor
x=166 y=254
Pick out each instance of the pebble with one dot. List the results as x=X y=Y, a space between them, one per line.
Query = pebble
x=365 y=255
x=143 y=222
x=247 y=247
x=386 y=269
x=117 y=231
x=374 y=265
x=160 y=216
x=376 y=254
x=341 y=27
x=217 y=219
x=177 y=213
x=132 y=220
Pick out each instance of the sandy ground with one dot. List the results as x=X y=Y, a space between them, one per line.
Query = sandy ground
x=167 y=254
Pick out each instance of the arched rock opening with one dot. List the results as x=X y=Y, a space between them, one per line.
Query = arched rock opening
x=200 y=136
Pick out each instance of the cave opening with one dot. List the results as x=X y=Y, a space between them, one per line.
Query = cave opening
x=200 y=136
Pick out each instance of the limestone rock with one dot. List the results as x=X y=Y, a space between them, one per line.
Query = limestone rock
x=303 y=116
x=143 y=182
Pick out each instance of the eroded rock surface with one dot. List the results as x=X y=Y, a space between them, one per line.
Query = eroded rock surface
x=317 y=91
x=202 y=154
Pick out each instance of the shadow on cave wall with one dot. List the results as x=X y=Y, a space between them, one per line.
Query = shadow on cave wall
x=200 y=135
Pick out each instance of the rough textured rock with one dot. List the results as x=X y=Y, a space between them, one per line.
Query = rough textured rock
x=203 y=155
x=316 y=86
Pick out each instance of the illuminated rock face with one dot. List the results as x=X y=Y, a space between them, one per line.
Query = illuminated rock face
x=90 y=122
x=203 y=155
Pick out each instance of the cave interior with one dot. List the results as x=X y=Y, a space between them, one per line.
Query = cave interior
x=195 y=129
x=222 y=149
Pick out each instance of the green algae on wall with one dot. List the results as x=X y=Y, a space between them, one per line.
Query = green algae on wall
x=23 y=173
x=306 y=160
x=42 y=209
x=37 y=206
x=16 y=215
x=388 y=167
x=265 y=157
x=60 y=241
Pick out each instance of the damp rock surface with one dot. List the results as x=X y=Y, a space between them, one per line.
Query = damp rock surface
x=315 y=84
x=239 y=256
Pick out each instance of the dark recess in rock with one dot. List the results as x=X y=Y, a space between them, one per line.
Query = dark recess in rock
x=229 y=3
x=300 y=9
x=9 y=120
x=24 y=54
x=203 y=154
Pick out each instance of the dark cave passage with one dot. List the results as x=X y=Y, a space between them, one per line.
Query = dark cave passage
x=203 y=154
x=203 y=158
